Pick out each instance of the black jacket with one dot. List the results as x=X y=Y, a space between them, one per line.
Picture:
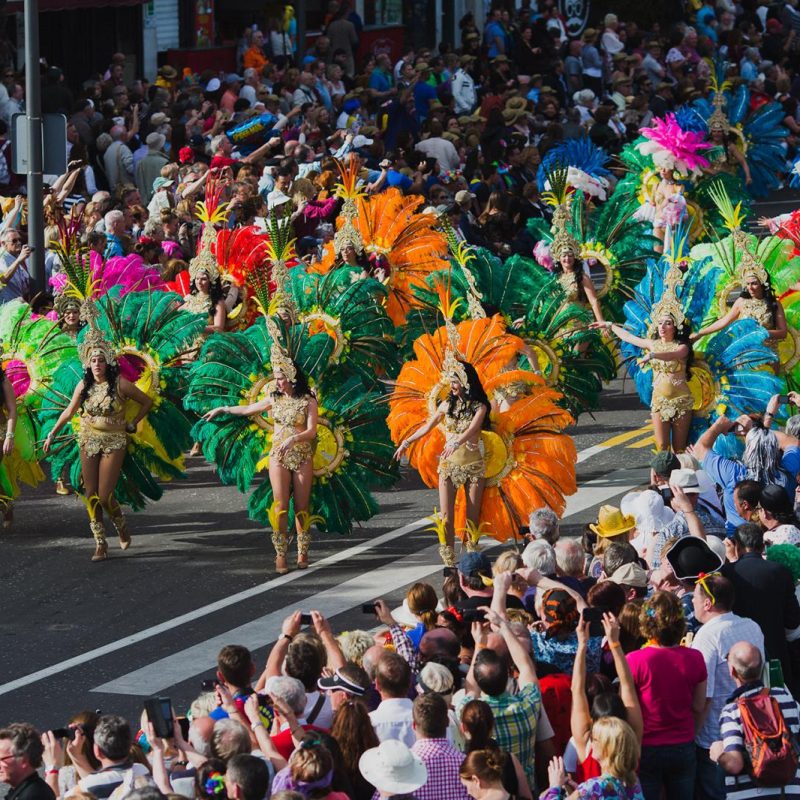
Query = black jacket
x=32 y=788
x=765 y=594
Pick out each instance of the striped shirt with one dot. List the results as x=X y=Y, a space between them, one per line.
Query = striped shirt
x=742 y=787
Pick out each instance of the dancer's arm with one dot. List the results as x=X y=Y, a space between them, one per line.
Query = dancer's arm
x=591 y=296
x=67 y=414
x=721 y=323
x=10 y=402
x=220 y=318
x=420 y=432
x=258 y=407
x=679 y=353
x=470 y=433
x=621 y=333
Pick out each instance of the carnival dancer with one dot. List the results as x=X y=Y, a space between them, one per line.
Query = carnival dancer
x=293 y=408
x=674 y=151
x=102 y=435
x=463 y=415
x=757 y=300
x=669 y=353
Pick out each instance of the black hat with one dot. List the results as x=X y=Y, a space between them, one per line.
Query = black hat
x=690 y=556
x=775 y=500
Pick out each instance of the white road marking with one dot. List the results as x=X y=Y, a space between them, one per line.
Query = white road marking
x=260 y=632
x=593 y=492
x=211 y=608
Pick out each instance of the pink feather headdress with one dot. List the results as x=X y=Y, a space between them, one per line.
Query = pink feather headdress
x=671 y=146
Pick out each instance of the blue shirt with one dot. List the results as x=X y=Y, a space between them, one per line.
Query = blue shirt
x=113 y=247
x=380 y=81
x=727 y=473
x=561 y=652
x=493 y=31
x=423 y=94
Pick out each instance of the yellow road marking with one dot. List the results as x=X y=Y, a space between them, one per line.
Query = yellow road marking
x=650 y=440
x=625 y=437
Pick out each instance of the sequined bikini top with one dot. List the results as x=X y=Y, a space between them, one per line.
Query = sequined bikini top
x=99 y=404
x=289 y=411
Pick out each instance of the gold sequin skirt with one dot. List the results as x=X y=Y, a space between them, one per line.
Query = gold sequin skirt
x=465 y=465
x=96 y=441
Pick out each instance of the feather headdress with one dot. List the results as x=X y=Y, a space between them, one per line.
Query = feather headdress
x=672 y=147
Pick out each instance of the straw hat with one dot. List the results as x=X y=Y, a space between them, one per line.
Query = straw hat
x=517 y=103
x=612 y=522
x=511 y=115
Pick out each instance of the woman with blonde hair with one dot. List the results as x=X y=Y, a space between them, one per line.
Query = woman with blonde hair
x=310 y=772
x=617 y=749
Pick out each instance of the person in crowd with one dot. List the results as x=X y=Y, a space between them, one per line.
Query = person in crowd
x=745 y=664
x=671 y=685
x=764 y=592
x=21 y=751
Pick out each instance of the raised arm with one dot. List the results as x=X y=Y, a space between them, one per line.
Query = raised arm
x=721 y=323
x=626 y=336
x=705 y=443
x=259 y=407
x=580 y=718
x=627 y=688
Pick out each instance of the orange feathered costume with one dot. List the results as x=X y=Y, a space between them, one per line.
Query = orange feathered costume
x=390 y=226
x=530 y=461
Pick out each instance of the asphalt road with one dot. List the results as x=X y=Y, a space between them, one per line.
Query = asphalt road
x=77 y=635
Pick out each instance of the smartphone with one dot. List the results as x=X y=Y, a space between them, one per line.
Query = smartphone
x=184 y=723
x=594 y=616
x=450 y=572
x=783 y=398
x=63 y=733
x=666 y=495
x=368 y=608
x=775 y=670
x=209 y=685
x=159 y=712
x=305 y=618
x=473 y=615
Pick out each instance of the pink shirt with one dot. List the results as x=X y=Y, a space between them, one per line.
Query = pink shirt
x=665 y=679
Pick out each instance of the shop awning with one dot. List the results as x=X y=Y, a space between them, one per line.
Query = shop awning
x=71 y=5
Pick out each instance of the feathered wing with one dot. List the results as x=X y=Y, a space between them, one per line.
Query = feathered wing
x=352 y=450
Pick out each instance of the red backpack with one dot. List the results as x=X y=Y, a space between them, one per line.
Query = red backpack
x=769 y=743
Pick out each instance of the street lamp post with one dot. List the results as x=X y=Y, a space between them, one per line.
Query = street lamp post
x=33 y=117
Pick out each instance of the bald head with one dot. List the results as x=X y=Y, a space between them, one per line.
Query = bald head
x=744 y=660
x=371 y=658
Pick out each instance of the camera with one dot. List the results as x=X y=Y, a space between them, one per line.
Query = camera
x=368 y=608
x=209 y=684
x=305 y=618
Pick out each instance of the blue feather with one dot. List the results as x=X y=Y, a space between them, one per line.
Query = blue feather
x=580 y=153
x=738 y=104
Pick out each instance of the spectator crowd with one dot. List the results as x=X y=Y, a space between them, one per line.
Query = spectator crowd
x=658 y=657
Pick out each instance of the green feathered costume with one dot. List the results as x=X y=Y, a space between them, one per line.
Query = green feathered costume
x=151 y=338
x=353 y=451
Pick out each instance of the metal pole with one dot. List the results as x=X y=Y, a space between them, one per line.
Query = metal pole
x=33 y=114
x=300 y=15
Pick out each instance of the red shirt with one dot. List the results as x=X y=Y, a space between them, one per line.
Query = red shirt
x=222 y=161
x=284 y=743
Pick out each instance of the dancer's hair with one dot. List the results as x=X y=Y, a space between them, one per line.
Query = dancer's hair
x=475 y=393
x=300 y=383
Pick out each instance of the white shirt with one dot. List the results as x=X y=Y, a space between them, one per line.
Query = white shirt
x=714 y=640
x=324 y=718
x=392 y=720
x=442 y=150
